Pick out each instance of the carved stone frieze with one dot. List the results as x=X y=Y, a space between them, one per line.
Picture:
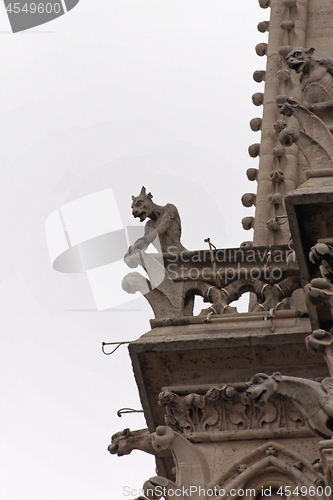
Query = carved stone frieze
x=223 y=411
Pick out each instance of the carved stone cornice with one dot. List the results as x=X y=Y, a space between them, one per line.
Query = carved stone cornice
x=221 y=415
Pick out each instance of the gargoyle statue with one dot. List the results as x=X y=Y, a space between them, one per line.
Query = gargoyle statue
x=313 y=399
x=316 y=77
x=164 y=224
x=124 y=442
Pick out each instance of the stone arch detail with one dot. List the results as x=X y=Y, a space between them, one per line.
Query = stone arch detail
x=271 y=463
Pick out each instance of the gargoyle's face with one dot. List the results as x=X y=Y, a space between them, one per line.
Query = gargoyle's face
x=119 y=443
x=142 y=207
x=260 y=389
x=298 y=59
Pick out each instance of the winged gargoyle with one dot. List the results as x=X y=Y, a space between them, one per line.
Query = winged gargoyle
x=313 y=399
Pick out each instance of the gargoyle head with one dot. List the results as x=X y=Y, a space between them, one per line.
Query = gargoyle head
x=260 y=388
x=142 y=206
x=299 y=59
x=119 y=443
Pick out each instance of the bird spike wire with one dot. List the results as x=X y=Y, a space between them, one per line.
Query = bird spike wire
x=117 y=344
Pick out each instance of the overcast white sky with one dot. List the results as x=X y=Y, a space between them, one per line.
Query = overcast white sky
x=115 y=94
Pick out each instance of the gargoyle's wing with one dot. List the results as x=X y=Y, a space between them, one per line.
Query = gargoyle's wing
x=327 y=385
x=328 y=63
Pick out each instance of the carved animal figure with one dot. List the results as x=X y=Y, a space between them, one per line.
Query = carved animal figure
x=124 y=442
x=313 y=399
x=164 y=223
x=316 y=77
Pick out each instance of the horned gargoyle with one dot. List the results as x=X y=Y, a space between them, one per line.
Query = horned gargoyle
x=313 y=399
x=164 y=223
x=163 y=230
x=316 y=77
x=169 y=298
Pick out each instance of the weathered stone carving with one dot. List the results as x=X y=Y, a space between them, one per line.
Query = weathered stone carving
x=223 y=411
x=321 y=341
x=326 y=453
x=315 y=142
x=313 y=399
x=277 y=176
x=170 y=287
x=124 y=442
x=254 y=470
x=322 y=255
x=164 y=224
x=191 y=466
x=316 y=77
x=319 y=291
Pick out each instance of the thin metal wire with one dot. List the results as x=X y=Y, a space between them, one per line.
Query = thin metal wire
x=117 y=344
x=122 y=411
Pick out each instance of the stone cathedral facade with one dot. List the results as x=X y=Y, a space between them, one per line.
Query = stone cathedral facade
x=240 y=405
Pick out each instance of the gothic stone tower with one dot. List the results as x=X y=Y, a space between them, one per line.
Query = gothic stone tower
x=240 y=405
